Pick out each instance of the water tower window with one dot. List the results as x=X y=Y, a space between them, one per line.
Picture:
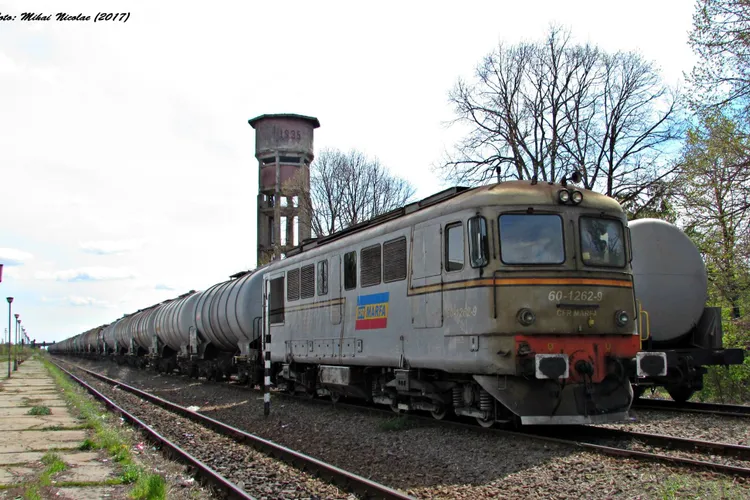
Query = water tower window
x=289 y=159
x=267 y=161
x=283 y=231
x=284 y=201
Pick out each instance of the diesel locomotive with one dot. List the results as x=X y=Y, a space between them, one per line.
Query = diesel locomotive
x=511 y=302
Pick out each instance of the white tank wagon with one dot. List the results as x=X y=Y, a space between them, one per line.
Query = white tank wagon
x=227 y=328
x=213 y=333
x=669 y=277
x=671 y=284
x=172 y=324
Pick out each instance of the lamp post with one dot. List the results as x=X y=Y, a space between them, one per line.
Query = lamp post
x=10 y=301
x=15 y=347
x=15 y=344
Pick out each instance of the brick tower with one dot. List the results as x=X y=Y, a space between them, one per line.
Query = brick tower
x=284 y=149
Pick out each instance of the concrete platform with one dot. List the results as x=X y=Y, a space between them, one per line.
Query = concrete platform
x=24 y=442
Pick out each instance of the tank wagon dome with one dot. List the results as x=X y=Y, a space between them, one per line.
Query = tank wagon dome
x=669 y=278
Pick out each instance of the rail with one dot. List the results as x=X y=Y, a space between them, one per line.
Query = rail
x=230 y=489
x=740 y=411
x=348 y=481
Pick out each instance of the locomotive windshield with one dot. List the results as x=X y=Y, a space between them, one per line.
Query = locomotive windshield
x=602 y=242
x=531 y=239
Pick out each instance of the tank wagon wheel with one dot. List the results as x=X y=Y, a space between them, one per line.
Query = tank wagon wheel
x=439 y=414
x=335 y=397
x=485 y=423
x=396 y=409
x=680 y=393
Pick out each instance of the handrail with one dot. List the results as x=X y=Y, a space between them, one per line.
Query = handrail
x=641 y=314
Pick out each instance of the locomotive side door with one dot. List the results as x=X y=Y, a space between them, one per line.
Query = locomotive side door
x=425 y=290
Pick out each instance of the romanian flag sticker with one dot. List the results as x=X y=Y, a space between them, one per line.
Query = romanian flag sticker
x=372 y=311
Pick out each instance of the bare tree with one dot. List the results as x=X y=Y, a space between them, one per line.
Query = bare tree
x=348 y=188
x=545 y=109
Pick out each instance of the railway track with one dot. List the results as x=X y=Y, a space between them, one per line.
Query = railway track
x=209 y=475
x=347 y=481
x=602 y=440
x=740 y=411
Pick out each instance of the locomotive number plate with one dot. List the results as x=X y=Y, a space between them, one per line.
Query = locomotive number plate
x=581 y=295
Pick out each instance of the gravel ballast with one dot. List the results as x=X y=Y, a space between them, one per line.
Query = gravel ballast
x=431 y=461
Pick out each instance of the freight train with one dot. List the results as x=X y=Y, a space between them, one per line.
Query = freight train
x=514 y=303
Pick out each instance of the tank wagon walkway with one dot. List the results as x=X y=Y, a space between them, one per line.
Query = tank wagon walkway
x=26 y=438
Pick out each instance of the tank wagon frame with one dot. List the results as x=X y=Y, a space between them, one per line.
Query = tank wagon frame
x=507 y=303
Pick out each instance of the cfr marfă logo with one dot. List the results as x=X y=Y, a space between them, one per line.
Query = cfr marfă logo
x=372 y=311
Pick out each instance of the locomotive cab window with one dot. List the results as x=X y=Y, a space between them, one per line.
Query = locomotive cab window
x=602 y=242
x=323 y=277
x=531 y=239
x=479 y=248
x=350 y=270
x=276 y=301
x=454 y=247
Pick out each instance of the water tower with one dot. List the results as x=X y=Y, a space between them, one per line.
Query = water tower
x=284 y=149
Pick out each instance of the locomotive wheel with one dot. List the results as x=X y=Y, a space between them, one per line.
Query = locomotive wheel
x=485 y=423
x=680 y=393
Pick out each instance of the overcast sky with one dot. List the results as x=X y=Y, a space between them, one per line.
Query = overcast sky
x=126 y=159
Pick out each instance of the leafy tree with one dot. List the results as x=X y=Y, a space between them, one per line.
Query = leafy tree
x=347 y=188
x=547 y=108
x=713 y=197
x=721 y=40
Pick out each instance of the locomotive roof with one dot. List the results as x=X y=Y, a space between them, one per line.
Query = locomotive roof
x=510 y=193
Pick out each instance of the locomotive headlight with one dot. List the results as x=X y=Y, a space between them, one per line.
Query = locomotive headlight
x=563 y=195
x=526 y=317
x=577 y=197
x=621 y=318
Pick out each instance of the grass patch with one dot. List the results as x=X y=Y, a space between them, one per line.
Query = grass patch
x=400 y=423
x=150 y=487
x=131 y=473
x=676 y=487
x=107 y=435
x=53 y=464
x=40 y=410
